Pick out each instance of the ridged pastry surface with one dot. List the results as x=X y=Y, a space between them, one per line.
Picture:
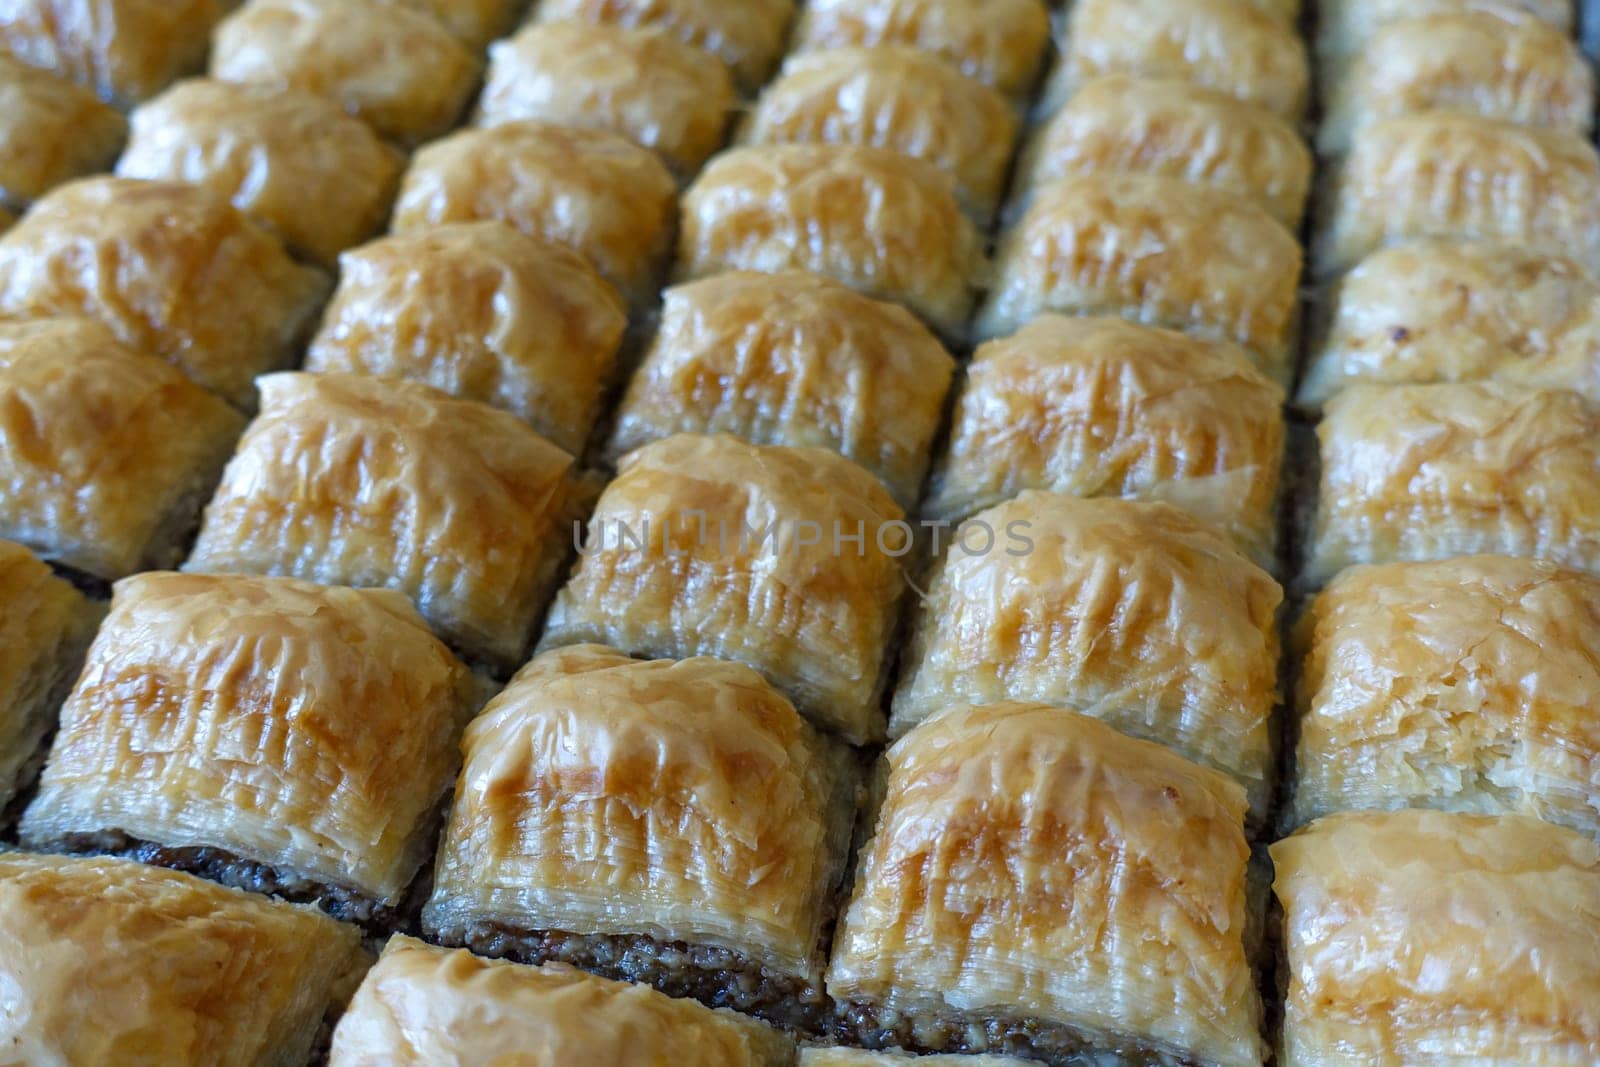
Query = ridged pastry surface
x=1344 y=26
x=51 y=131
x=124 y=50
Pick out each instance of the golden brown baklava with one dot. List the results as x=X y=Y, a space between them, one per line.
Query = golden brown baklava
x=51 y=131
x=1345 y=26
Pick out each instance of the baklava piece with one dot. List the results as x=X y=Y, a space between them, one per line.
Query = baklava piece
x=1236 y=48
x=748 y=36
x=1467 y=685
x=784 y=559
x=895 y=97
x=422 y=1006
x=1442 y=311
x=673 y=822
x=110 y=961
x=396 y=68
x=1039 y=884
x=1102 y=407
x=1158 y=251
x=317 y=178
x=1461 y=177
x=999 y=42
x=45 y=625
x=484 y=313
x=1134 y=613
x=792 y=359
x=270 y=734
x=376 y=482
x=1423 y=472
x=106 y=454
x=124 y=50
x=1345 y=26
x=642 y=83
x=883 y=224
x=1171 y=129
x=51 y=131
x=596 y=192
x=1427 y=937
x=174 y=270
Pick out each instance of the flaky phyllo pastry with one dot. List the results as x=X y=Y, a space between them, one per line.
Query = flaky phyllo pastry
x=1426 y=937
x=1160 y=251
x=671 y=822
x=110 y=961
x=106 y=454
x=422 y=1006
x=124 y=50
x=361 y=481
x=1466 y=685
x=266 y=732
x=792 y=359
x=1105 y=407
x=1135 y=613
x=706 y=545
x=1038 y=883
x=51 y=130
x=1344 y=26
x=173 y=269
x=1420 y=472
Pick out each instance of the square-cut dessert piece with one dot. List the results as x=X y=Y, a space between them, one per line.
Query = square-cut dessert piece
x=595 y=191
x=296 y=163
x=784 y=559
x=1104 y=407
x=999 y=42
x=124 y=50
x=792 y=359
x=272 y=734
x=1432 y=937
x=1038 y=883
x=398 y=69
x=748 y=36
x=1499 y=63
x=173 y=269
x=51 y=131
x=1453 y=311
x=1159 y=251
x=1420 y=472
x=422 y=1006
x=1121 y=124
x=110 y=961
x=1466 y=685
x=643 y=83
x=45 y=626
x=376 y=482
x=888 y=226
x=673 y=822
x=484 y=313
x=1345 y=26
x=900 y=98
x=1134 y=613
x=1461 y=177
x=106 y=454
x=1242 y=49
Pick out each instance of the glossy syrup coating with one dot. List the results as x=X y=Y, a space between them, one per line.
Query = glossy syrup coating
x=51 y=131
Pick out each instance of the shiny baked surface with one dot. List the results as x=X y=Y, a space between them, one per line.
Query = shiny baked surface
x=124 y=50
x=51 y=131
x=1346 y=25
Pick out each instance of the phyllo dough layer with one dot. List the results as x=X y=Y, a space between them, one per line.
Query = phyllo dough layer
x=1345 y=26
x=51 y=131
x=1154 y=250
x=428 y=1006
x=792 y=359
x=609 y=200
x=1138 y=614
x=706 y=545
x=888 y=226
x=484 y=313
x=1104 y=407
x=1426 y=937
x=296 y=163
x=239 y=723
x=173 y=269
x=125 y=50
x=106 y=454
x=1038 y=883
x=613 y=811
x=109 y=961
x=1420 y=472
x=349 y=480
